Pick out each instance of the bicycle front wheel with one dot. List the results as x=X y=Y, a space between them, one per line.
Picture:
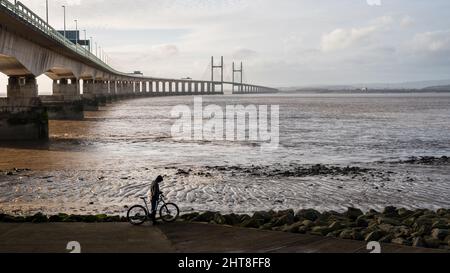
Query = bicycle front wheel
x=169 y=212
x=137 y=215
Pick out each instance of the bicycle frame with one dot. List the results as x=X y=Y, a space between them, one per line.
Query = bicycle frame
x=161 y=200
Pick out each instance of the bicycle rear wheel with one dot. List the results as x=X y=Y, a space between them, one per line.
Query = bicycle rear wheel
x=137 y=215
x=169 y=212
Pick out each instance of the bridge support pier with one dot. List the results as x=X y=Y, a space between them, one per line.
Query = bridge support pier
x=183 y=88
x=144 y=89
x=101 y=92
x=22 y=115
x=130 y=89
x=91 y=99
x=112 y=91
x=190 y=88
x=150 y=88
x=120 y=90
x=65 y=103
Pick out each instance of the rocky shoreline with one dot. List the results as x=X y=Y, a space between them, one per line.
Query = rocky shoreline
x=417 y=228
x=423 y=160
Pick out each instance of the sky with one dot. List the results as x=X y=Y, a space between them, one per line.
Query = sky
x=281 y=42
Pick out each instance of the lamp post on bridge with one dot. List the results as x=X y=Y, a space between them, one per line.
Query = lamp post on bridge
x=76 y=31
x=90 y=44
x=64 y=8
x=85 y=41
x=76 y=35
x=46 y=9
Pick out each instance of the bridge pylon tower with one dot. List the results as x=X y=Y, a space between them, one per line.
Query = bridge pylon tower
x=239 y=71
x=213 y=67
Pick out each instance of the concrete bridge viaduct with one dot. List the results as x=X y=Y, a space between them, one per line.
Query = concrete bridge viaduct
x=29 y=47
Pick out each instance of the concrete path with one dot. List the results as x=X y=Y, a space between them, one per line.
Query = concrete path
x=170 y=238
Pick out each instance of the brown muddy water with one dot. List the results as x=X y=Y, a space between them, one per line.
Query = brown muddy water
x=106 y=162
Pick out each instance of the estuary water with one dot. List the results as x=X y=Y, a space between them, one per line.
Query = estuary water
x=104 y=163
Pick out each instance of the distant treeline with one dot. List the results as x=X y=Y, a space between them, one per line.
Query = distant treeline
x=370 y=91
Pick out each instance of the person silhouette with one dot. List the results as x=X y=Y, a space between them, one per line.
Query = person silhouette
x=155 y=192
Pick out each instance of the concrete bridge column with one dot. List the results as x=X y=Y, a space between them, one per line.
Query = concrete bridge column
x=123 y=90
x=118 y=90
x=108 y=93
x=177 y=87
x=22 y=87
x=66 y=102
x=101 y=91
x=157 y=87
x=129 y=88
x=90 y=91
x=195 y=87
x=144 y=89
x=164 y=87
x=139 y=88
x=67 y=89
x=190 y=88
x=171 y=87
x=132 y=88
x=183 y=87
x=113 y=90
x=150 y=88
x=208 y=87
x=124 y=87
x=22 y=115
x=202 y=87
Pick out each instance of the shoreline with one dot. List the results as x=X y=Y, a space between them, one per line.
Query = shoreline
x=421 y=228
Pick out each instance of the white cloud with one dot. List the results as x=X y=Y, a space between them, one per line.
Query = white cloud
x=406 y=21
x=436 y=41
x=165 y=51
x=343 y=38
x=340 y=38
x=244 y=53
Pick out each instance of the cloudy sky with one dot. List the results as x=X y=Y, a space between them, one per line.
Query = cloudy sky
x=281 y=42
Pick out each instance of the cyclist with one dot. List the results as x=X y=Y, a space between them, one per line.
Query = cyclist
x=155 y=192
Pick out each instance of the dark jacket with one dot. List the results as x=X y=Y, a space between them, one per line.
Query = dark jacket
x=154 y=190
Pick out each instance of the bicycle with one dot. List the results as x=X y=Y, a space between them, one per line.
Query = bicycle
x=137 y=215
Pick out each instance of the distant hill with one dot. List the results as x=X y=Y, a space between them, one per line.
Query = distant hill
x=425 y=86
x=438 y=88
